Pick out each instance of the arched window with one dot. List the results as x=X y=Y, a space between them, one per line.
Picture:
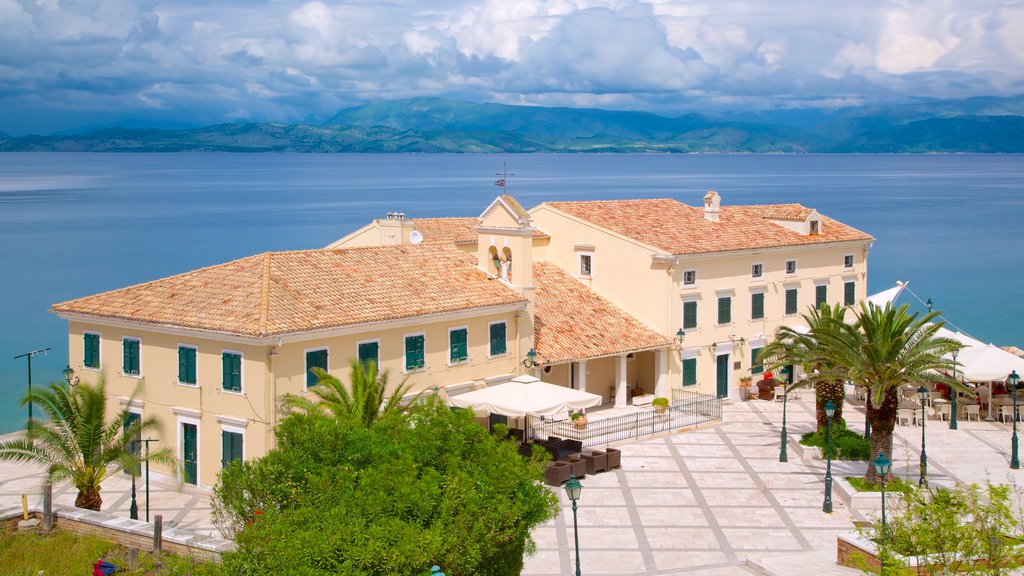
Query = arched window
x=506 y=268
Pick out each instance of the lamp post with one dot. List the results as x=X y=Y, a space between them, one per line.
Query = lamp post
x=29 y=355
x=783 y=454
x=531 y=359
x=146 y=442
x=882 y=468
x=680 y=334
x=133 y=510
x=954 y=393
x=573 y=488
x=1014 y=460
x=922 y=395
x=830 y=411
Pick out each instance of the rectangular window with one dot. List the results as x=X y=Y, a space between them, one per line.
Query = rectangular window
x=315 y=359
x=497 y=347
x=231 y=362
x=791 y=301
x=458 y=351
x=820 y=295
x=91 y=352
x=849 y=293
x=130 y=347
x=756 y=367
x=689 y=277
x=689 y=372
x=757 y=306
x=724 y=310
x=790 y=266
x=756 y=270
x=187 y=364
x=814 y=227
x=414 y=352
x=585 y=261
x=231 y=447
x=135 y=440
x=689 y=314
x=848 y=261
x=369 y=352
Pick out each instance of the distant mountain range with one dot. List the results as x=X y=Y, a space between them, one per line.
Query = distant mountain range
x=443 y=125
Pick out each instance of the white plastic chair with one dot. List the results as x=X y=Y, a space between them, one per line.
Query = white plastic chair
x=780 y=392
x=972 y=410
x=1007 y=412
x=905 y=415
x=943 y=411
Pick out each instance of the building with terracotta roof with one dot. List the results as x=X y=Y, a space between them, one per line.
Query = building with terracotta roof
x=600 y=292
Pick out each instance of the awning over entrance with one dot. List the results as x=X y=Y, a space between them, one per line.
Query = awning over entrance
x=525 y=395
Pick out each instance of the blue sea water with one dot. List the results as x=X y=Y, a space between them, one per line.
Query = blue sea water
x=77 y=224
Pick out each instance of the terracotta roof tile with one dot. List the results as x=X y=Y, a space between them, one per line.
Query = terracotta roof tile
x=452 y=230
x=680 y=229
x=572 y=322
x=287 y=292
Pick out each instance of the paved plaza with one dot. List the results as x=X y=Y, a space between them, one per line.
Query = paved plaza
x=713 y=501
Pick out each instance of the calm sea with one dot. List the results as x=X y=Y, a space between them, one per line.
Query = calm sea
x=77 y=224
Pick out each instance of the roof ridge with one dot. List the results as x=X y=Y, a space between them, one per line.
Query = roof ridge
x=265 y=294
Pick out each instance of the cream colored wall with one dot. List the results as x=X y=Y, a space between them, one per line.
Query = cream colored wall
x=368 y=235
x=160 y=394
x=622 y=270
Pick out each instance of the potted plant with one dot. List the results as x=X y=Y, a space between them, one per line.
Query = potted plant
x=578 y=418
x=745 y=383
x=660 y=405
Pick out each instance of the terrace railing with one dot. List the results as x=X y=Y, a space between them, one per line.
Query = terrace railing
x=688 y=409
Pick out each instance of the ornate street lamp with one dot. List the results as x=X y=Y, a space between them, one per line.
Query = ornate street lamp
x=954 y=393
x=922 y=395
x=133 y=510
x=881 y=465
x=28 y=356
x=69 y=376
x=1014 y=460
x=783 y=454
x=573 y=488
x=680 y=334
x=830 y=411
x=531 y=359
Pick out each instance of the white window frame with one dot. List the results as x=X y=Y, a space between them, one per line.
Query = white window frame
x=241 y=372
x=796 y=267
x=377 y=340
x=99 y=352
x=305 y=362
x=590 y=259
x=853 y=261
x=121 y=371
x=179 y=382
x=682 y=311
x=405 y=352
x=683 y=281
x=489 y=324
x=234 y=429
x=785 y=291
x=764 y=303
x=448 y=359
x=758 y=276
x=718 y=298
x=199 y=447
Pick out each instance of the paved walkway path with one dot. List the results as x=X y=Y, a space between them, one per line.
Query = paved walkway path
x=714 y=501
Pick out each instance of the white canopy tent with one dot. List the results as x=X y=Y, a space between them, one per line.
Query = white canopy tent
x=887 y=296
x=525 y=396
x=990 y=363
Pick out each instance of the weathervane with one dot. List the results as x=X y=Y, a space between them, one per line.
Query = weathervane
x=503 y=181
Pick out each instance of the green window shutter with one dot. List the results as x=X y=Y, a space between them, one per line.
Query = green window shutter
x=689 y=372
x=191 y=373
x=369 y=352
x=849 y=293
x=414 y=352
x=756 y=367
x=232 y=369
x=689 y=314
x=724 y=310
x=498 y=339
x=314 y=359
x=757 y=306
x=91 y=356
x=791 y=301
x=820 y=295
x=130 y=364
x=230 y=447
x=182 y=364
x=457 y=346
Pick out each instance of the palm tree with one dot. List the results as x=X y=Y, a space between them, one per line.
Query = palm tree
x=885 y=349
x=793 y=348
x=77 y=443
x=365 y=403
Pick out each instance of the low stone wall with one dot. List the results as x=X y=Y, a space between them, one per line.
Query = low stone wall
x=855 y=551
x=125 y=531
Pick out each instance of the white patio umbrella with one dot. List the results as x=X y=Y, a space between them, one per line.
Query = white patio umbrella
x=990 y=363
x=525 y=396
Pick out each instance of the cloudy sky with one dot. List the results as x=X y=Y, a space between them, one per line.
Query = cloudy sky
x=73 y=63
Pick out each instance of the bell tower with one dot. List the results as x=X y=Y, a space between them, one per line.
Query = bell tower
x=505 y=243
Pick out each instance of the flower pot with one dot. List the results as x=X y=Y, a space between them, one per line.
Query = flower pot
x=580 y=423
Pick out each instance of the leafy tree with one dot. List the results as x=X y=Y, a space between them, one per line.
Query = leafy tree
x=883 y=350
x=427 y=487
x=791 y=347
x=77 y=442
x=366 y=402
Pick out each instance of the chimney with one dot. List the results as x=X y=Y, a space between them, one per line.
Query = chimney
x=712 y=202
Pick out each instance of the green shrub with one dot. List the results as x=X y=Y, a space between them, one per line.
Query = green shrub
x=846 y=444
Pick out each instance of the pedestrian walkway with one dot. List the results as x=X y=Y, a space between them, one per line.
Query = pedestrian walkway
x=713 y=501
